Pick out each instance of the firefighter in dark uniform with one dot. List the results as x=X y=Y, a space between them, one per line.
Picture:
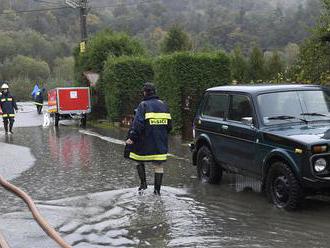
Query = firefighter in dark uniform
x=148 y=137
x=39 y=100
x=8 y=106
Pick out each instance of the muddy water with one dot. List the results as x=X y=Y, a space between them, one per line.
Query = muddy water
x=87 y=190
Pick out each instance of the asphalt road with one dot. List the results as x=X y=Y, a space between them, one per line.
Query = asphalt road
x=88 y=192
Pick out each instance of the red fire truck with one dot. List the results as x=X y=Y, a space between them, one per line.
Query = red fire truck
x=74 y=102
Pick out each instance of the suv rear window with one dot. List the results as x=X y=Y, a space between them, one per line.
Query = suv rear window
x=215 y=105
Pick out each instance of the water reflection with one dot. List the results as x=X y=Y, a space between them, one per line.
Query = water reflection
x=244 y=183
x=9 y=138
x=69 y=150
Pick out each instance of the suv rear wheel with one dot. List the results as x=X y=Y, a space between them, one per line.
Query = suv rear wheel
x=207 y=169
x=282 y=187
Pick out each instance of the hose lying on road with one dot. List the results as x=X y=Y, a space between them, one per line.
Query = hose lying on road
x=3 y=243
x=37 y=216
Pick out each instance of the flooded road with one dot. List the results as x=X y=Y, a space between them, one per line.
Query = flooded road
x=88 y=192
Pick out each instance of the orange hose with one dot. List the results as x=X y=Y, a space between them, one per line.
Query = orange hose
x=37 y=216
x=3 y=243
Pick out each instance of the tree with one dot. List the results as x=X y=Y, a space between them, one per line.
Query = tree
x=102 y=48
x=314 y=59
x=291 y=53
x=103 y=44
x=26 y=67
x=256 y=65
x=63 y=69
x=32 y=44
x=7 y=47
x=4 y=4
x=176 y=40
x=238 y=66
x=154 y=40
x=274 y=67
x=120 y=10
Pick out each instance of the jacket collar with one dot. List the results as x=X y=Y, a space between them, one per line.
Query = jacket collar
x=5 y=93
x=146 y=98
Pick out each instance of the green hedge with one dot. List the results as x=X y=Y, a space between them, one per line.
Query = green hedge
x=123 y=79
x=185 y=76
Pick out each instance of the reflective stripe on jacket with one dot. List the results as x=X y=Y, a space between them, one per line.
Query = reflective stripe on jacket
x=149 y=131
x=39 y=99
x=8 y=105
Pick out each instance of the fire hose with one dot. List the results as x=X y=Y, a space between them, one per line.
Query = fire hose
x=3 y=243
x=36 y=214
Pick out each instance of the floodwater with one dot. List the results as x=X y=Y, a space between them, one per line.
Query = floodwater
x=88 y=192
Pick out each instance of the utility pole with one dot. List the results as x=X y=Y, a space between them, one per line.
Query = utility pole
x=83 y=20
x=82 y=5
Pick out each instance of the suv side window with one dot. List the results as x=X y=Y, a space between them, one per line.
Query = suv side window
x=240 y=107
x=215 y=105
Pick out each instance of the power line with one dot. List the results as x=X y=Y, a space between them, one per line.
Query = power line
x=33 y=10
x=67 y=7
x=47 y=2
x=121 y=4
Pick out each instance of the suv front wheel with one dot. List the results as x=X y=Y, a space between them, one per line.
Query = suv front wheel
x=207 y=169
x=282 y=187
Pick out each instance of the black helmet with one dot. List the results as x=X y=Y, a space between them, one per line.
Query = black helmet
x=149 y=88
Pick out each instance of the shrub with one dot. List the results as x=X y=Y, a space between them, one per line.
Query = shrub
x=181 y=79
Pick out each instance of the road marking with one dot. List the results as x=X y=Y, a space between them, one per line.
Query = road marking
x=122 y=142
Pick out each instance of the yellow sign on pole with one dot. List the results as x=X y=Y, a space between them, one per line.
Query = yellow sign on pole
x=82 y=46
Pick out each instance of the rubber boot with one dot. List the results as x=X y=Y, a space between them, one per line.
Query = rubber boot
x=39 y=108
x=11 y=124
x=5 y=124
x=142 y=175
x=158 y=183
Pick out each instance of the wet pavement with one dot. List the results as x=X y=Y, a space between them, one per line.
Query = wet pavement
x=88 y=192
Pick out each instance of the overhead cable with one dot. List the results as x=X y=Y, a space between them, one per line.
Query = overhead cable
x=67 y=7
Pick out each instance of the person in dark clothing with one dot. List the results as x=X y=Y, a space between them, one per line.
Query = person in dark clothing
x=39 y=100
x=9 y=107
x=148 y=137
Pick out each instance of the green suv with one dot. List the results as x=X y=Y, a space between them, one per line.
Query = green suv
x=278 y=134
